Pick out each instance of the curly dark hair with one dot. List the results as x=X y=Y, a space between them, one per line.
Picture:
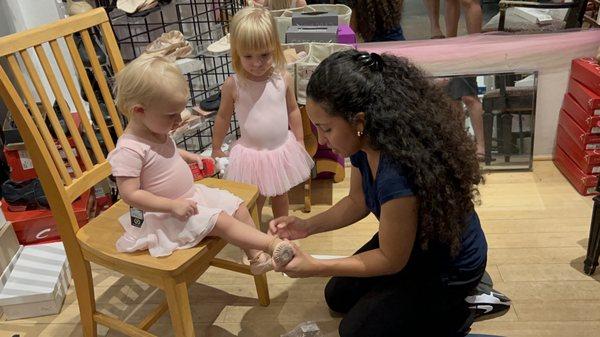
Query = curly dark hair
x=378 y=16
x=412 y=121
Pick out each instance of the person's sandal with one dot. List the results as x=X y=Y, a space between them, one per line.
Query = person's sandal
x=261 y=264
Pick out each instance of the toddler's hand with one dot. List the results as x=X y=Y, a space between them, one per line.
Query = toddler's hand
x=201 y=164
x=182 y=209
x=218 y=153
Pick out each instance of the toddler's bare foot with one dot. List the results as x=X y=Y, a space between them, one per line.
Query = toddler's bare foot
x=282 y=252
x=261 y=264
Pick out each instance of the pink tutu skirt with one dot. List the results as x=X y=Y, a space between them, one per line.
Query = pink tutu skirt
x=161 y=233
x=274 y=171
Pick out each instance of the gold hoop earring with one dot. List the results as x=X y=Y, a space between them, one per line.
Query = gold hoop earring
x=359 y=133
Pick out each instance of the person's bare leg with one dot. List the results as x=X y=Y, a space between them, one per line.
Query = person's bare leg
x=451 y=16
x=253 y=241
x=433 y=12
x=473 y=15
x=475 y=109
x=260 y=203
x=280 y=205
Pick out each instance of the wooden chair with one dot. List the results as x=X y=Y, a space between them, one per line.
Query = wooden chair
x=95 y=242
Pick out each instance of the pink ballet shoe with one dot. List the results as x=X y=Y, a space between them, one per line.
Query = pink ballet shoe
x=283 y=252
x=261 y=264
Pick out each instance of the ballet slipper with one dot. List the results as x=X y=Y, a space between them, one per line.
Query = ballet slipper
x=282 y=252
x=261 y=264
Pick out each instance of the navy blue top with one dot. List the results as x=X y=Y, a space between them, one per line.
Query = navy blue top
x=391 y=183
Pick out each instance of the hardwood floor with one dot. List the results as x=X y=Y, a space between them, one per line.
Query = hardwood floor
x=536 y=226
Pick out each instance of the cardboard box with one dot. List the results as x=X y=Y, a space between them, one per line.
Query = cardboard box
x=589 y=123
x=5 y=272
x=38 y=283
x=585 y=140
x=585 y=184
x=299 y=34
x=319 y=18
x=587 y=160
x=9 y=245
x=37 y=226
x=587 y=71
x=21 y=165
x=346 y=35
x=589 y=100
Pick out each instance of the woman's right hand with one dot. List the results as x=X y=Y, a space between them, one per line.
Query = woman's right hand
x=182 y=209
x=218 y=153
x=289 y=227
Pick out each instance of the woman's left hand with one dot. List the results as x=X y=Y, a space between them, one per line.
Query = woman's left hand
x=302 y=265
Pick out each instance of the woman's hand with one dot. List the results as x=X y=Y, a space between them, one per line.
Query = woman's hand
x=182 y=209
x=302 y=265
x=289 y=227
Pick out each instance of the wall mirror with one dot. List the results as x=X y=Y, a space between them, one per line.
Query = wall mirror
x=499 y=110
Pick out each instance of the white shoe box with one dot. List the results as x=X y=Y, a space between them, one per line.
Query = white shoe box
x=38 y=283
x=9 y=252
x=9 y=245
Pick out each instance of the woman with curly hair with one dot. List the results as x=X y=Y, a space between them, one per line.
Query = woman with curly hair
x=415 y=169
x=376 y=20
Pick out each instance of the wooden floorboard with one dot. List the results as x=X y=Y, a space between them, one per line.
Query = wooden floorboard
x=536 y=225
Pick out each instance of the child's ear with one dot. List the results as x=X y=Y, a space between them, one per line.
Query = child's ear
x=137 y=109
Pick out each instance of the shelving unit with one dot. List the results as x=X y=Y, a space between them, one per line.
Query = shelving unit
x=202 y=22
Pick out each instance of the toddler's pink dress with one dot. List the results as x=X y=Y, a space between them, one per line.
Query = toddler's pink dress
x=164 y=173
x=267 y=154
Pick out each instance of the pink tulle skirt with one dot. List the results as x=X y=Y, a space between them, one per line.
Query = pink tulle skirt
x=161 y=233
x=274 y=171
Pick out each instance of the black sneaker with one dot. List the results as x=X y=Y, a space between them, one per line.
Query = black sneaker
x=211 y=103
x=486 y=302
x=22 y=196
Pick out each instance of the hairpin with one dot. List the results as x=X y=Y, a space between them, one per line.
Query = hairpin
x=373 y=60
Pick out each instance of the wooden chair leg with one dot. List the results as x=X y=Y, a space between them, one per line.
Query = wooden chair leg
x=506 y=126
x=593 y=249
x=84 y=287
x=179 y=308
x=262 y=287
x=488 y=129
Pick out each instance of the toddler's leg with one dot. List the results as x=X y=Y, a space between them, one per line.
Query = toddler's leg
x=280 y=205
x=240 y=231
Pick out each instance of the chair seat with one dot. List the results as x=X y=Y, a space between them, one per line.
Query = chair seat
x=99 y=236
x=511 y=92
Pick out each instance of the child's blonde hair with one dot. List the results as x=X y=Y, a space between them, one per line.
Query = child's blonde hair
x=254 y=29
x=146 y=80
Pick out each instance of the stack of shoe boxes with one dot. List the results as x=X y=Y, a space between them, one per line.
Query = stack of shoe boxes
x=319 y=27
x=577 y=153
x=24 y=203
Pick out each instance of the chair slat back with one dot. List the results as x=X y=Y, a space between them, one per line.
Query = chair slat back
x=43 y=81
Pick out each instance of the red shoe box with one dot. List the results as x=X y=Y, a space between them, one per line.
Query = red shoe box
x=589 y=100
x=585 y=141
x=587 y=160
x=21 y=166
x=589 y=123
x=585 y=184
x=37 y=226
x=587 y=71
